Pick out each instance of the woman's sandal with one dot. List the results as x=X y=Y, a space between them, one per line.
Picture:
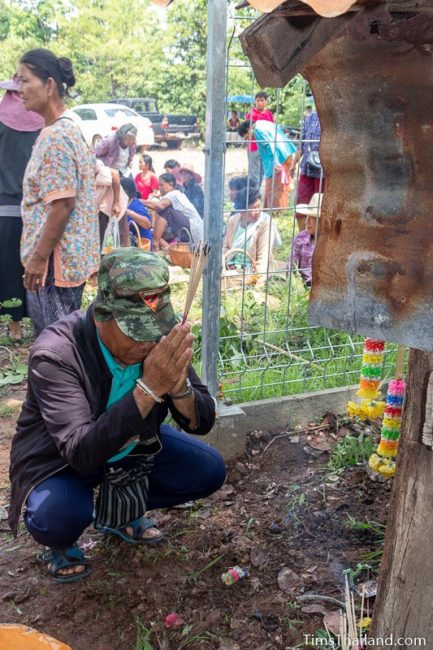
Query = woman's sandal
x=66 y=558
x=139 y=526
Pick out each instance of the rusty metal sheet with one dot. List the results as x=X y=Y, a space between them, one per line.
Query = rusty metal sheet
x=328 y=8
x=373 y=265
x=279 y=46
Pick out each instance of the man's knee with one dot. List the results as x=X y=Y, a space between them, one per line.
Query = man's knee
x=57 y=518
x=57 y=531
x=216 y=470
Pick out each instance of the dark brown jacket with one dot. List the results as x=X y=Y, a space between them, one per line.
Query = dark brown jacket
x=63 y=421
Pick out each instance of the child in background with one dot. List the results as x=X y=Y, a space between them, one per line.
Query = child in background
x=258 y=112
x=304 y=242
x=233 y=122
x=138 y=213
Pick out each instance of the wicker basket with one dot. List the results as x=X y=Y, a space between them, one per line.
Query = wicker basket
x=236 y=278
x=142 y=242
x=181 y=253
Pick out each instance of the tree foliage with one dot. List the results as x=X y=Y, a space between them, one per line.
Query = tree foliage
x=122 y=48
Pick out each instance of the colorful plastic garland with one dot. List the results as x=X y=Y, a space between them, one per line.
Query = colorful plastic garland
x=233 y=575
x=383 y=461
x=370 y=407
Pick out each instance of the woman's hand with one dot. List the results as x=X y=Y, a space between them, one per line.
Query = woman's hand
x=116 y=210
x=35 y=272
x=165 y=369
x=51 y=234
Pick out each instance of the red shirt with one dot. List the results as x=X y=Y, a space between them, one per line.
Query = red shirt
x=146 y=185
x=255 y=115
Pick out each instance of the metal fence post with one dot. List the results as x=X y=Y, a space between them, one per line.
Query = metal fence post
x=214 y=186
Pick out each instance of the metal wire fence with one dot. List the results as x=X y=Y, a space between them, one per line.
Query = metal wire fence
x=266 y=347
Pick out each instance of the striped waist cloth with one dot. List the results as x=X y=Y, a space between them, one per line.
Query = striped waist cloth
x=10 y=211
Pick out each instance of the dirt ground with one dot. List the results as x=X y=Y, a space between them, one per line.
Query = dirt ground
x=280 y=516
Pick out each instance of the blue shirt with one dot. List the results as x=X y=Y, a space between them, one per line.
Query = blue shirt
x=274 y=145
x=124 y=379
x=140 y=209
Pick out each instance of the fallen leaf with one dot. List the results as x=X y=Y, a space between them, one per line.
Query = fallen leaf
x=288 y=580
x=255 y=584
x=332 y=621
x=369 y=588
x=356 y=477
x=314 y=609
x=311 y=569
x=313 y=452
x=320 y=443
x=258 y=557
x=329 y=420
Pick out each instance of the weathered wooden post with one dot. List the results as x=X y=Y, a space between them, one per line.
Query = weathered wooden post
x=371 y=72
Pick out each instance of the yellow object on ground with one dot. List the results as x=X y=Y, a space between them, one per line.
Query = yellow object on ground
x=21 y=637
x=366 y=409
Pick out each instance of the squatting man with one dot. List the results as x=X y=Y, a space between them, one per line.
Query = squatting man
x=100 y=385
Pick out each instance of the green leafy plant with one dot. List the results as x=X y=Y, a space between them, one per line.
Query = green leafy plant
x=11 y=304
x=142 y=641
x=377 y=530
x=352 y=450
x=6 y=411
x=353 y=573
x=194 y=576
x=14 y=371
x=374 y=527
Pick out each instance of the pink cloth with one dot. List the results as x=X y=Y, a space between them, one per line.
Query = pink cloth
x=254 y=115
x=14 y=115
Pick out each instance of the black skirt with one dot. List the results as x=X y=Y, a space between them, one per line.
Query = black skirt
x=11 y=270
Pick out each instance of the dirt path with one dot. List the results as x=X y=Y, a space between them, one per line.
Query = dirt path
x=276 y=512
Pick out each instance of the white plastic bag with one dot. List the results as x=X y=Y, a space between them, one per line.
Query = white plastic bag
x=111 y=237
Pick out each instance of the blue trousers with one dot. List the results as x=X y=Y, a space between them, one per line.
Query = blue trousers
x=60 y=508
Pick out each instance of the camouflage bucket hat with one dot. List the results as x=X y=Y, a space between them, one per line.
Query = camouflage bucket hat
x=133 y=289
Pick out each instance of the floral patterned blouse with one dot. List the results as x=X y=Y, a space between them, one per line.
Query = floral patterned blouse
x=62 y=166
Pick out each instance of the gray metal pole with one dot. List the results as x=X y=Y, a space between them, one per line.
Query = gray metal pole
x=214 y=186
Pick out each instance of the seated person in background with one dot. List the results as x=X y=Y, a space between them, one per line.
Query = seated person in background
x=101 y=383
x=176 y=217
x=138 y=213
x=304 y=242
x=146 y=181
x=276 y=151
x=233 y=123
x=191 y=186
x=238 y=183
x=251 y=230
x=173 y=167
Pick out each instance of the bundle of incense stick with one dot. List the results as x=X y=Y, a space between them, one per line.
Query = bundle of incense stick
x=200 y=254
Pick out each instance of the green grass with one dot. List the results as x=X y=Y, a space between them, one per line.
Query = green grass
x=142 y=641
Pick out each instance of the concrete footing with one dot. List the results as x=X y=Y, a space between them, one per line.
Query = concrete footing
x=283 y=413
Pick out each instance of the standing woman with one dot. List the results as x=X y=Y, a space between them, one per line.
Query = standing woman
x=117 y=151
x=60 y=240
x=18 y=131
